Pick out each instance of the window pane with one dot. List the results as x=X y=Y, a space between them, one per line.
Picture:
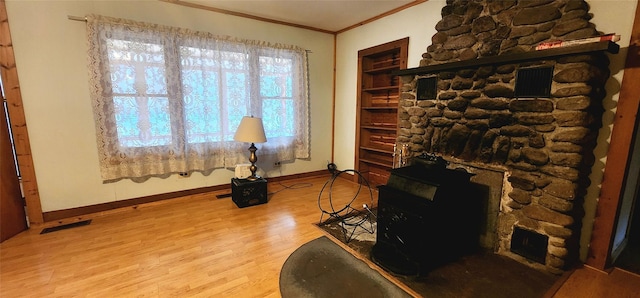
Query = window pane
x=159 y=121
x=215 y=93
x=202 y=106
x=233 y=60
x=155 y=78
x=132 y=51
x=275 y=77
x=123 y=79
x=276 y=91
x=236 y=93
x=195 y=57
x=138 y=68
x=142 y=121
x=269 y=86
x=278 y=117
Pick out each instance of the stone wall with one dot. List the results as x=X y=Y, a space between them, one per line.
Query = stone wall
x=544 y=144
x=478 y=28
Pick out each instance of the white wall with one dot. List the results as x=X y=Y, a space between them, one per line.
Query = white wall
x=418 y=23
x=610 y=16
x=50 y=53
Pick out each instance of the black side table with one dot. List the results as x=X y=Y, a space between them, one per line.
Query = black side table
x=247 y=193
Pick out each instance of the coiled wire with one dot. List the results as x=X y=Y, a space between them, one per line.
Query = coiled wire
x=347 y=214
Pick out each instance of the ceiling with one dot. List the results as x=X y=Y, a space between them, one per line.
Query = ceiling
x=321 y=15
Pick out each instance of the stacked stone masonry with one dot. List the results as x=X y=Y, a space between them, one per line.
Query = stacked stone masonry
x=545 y=144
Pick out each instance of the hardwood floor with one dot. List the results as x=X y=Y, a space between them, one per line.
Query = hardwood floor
x=198 y=245
x=588 y=282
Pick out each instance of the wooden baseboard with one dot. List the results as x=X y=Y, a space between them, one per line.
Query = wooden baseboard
x=79 y=213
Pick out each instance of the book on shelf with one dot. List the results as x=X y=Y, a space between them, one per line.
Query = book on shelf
x=565 y=43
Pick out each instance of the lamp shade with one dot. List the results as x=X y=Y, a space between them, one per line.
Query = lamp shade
x=250 y=130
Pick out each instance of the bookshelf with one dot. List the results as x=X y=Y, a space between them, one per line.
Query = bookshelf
x=377 y=108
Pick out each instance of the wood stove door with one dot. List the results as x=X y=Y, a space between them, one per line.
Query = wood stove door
x=402 y=244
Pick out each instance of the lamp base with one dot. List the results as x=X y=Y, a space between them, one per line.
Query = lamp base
x=254 y=177
x=253 y=158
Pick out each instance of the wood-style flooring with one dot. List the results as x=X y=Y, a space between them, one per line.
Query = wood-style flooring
x=192 y=246
x=587 y=282
x=201 y=246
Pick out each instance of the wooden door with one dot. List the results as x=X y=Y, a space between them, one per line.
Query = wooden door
x=12 y=213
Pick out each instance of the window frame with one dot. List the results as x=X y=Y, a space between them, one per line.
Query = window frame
x=141 y=163
x=175 y=72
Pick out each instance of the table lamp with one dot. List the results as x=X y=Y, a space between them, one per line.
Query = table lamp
x=251 y=131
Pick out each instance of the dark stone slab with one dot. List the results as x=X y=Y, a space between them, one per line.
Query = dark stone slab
x=570 y=174
x=536 y=15
x=522 y=181
x=573 y=160
x=520 y=196
x=460 y=42
x=449 y=22
x=461 y=83
x=536 y=157
x=573 y=118
x=483 y=24
x=516 y=131
x=560 y=232
x=489 y=103
x=561 y=188
x=576 y=74
x=547 y=215
x=494 y=91
x=565 y=26
x=555 y=204
x=531 y=105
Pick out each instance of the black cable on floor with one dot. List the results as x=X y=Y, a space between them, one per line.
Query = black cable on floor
x=347 y=212
x=293 y=186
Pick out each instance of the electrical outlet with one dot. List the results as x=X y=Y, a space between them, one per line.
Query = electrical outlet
x=277 y=164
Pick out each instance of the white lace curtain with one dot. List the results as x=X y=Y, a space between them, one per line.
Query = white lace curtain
x=168 y=100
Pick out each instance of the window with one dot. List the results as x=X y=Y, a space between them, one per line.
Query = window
x=140 y=98
x=169 y=100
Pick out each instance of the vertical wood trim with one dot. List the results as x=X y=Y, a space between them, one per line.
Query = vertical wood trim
x=18 y=123
x=333 y=104
x=618 y=155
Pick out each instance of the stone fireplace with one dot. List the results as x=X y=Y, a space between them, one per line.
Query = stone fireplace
x=479 y=101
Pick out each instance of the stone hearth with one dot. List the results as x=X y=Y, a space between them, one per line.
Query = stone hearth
x=544 y=144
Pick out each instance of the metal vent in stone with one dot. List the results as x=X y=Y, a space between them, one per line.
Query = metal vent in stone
x=534 y=82
x=427 y=88
x=530 y=245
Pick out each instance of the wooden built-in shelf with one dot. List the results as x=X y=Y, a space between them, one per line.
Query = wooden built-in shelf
x=376 y=150
x=379 y=108
x=382 y=88
x=391 y=128
x=382 y=163
x=385 y=69
x=377 y=113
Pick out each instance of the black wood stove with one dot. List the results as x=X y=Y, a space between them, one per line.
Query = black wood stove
x=427 y=215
